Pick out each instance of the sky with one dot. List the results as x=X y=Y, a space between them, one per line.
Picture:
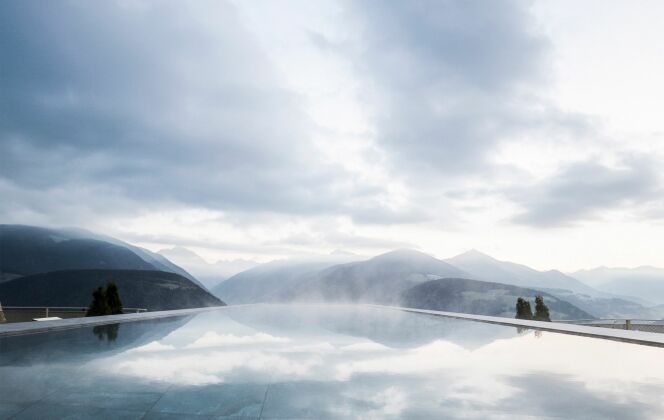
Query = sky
x=531 y=131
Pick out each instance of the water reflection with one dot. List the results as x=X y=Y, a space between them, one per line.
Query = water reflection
x=350 y=362
x=84 y=343
x=106 y=332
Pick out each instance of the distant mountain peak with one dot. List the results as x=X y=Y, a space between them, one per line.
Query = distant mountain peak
x=402 y=253
x=472 y=255
x=177 y=249
x=182 y=254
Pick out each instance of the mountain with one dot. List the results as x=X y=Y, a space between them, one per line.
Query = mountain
x=482 y=298
x=379 y=280
x=209 y=274
x=414 y=279
x=395 y=278
x=645 y=283
x=484 y=267
x=26 y=250
x=153 y=290
x=596 y=302
x=267 y=282
x=610 y=307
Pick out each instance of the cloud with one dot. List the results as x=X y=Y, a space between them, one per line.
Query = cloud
x=448 y=81
x=164 y=104
x=304 y=128
x=364 y=347
x=573 y=397
x=213 y=339
x=585 y=189
x=152 y=347
x=119 y=107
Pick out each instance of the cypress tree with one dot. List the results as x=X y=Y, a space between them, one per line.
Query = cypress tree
x=523 y=310
x=113 y=299
x=99 y=305
x=541 y=310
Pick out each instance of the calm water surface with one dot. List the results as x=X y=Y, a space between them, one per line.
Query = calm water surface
x=272 y=361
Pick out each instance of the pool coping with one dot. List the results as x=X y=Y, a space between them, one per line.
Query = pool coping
x=36 y=327
x=625 y=336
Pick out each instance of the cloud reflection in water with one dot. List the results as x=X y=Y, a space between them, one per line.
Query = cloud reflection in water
x=314 y=357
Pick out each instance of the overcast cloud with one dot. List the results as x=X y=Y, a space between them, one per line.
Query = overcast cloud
x=448 y=80
x=158 y=104
x=581 y=189
x=277 y=129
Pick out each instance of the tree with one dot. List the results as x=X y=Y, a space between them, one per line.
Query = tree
x=113 y=299
x=105 y=301
x=99 y=305
x=541 y=310
x=523 y=310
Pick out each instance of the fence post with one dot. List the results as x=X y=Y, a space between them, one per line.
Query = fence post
x=628 y=324
x=2 y=315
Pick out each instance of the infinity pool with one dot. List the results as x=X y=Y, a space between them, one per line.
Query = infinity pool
x=307 y=362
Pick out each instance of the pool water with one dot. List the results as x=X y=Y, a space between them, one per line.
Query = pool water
x=315 y=362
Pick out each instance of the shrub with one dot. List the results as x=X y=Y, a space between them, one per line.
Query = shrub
x=541 y=310
x=523 y=310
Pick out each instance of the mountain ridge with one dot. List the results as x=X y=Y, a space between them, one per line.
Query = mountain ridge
x=482 y=298
x=384 y=277
x=210 y=274
x=265 y=282
x=643 y=282
x=27 y=250
x=379 y=279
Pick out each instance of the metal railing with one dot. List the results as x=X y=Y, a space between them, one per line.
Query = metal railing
x=648 y=325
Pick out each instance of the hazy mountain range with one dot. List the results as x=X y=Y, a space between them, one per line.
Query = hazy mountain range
x=208 y=274
x=600 y=303
x=646 y=283
x=483 y=267
x=402 y=278
x=270 y=281
x=388 y=278
x=484 y=298
x=40 y=266
x=380 y=279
